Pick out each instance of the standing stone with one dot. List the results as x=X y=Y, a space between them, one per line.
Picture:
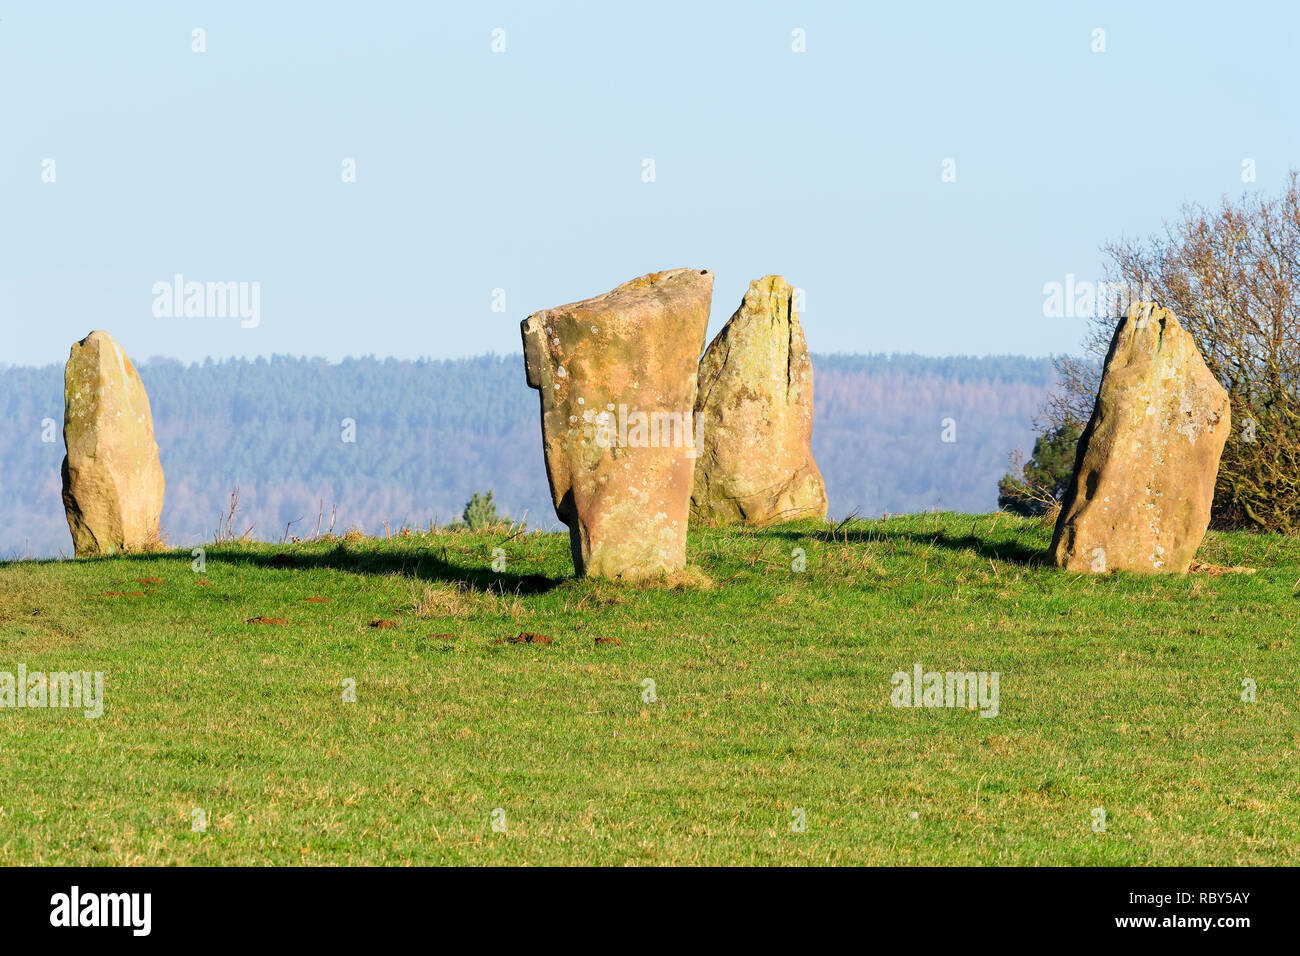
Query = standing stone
x=617 y=376
x=755 y=406
x=112 y=478
x=1146 y=465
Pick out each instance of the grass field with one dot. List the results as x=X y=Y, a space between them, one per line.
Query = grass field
x=771 y=704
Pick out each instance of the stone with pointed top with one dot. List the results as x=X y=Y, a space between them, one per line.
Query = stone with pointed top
x=1146 y=464
x=112 y=478
x=755 y=413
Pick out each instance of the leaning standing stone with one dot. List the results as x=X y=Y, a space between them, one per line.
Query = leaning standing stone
x=755 y=406
x=1146 y=465
x=617 y=376
x=112 y=478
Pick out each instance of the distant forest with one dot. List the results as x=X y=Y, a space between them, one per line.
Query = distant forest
x=429 y=433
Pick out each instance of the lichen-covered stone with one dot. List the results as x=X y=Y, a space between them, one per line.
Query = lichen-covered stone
x=112 y=478
x=617 y=377
x=755 y=406
x=1147 y=462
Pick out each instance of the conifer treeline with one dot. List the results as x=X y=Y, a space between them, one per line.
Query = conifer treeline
x=429 y=433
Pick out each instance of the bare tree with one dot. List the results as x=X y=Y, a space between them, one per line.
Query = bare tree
x=1232 y=276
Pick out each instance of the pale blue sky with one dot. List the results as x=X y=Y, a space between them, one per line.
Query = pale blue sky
x=523 y=170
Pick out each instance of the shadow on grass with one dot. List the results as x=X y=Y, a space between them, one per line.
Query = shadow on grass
x=1012 y=552
x=422 y=566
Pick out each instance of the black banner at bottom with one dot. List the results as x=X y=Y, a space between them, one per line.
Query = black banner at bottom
x=1221 y=907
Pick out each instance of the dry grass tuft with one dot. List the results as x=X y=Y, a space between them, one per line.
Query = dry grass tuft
x=445 y=600
x=154 y=542
x=689 y=578
x=461 y=599
x=1217 y=570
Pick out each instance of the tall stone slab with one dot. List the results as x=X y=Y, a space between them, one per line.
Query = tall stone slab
x=755 y=408
x=1146 y=464
x=112 y=477
x=617 y=377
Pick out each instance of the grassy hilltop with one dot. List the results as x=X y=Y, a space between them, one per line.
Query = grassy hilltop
x=772 y=695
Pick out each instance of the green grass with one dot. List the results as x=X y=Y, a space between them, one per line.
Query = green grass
x=772 y=693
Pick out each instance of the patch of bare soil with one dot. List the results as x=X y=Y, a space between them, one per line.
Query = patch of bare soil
x=527 y=637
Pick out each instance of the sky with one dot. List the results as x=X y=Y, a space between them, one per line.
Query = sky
x=920 y=171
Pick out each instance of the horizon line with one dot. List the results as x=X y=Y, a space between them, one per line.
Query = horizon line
x=215 y=360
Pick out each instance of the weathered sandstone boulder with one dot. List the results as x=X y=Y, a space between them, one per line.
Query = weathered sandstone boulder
x=112 y=478
x=1146 y=465
x=755 y=408
x=617 y=377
